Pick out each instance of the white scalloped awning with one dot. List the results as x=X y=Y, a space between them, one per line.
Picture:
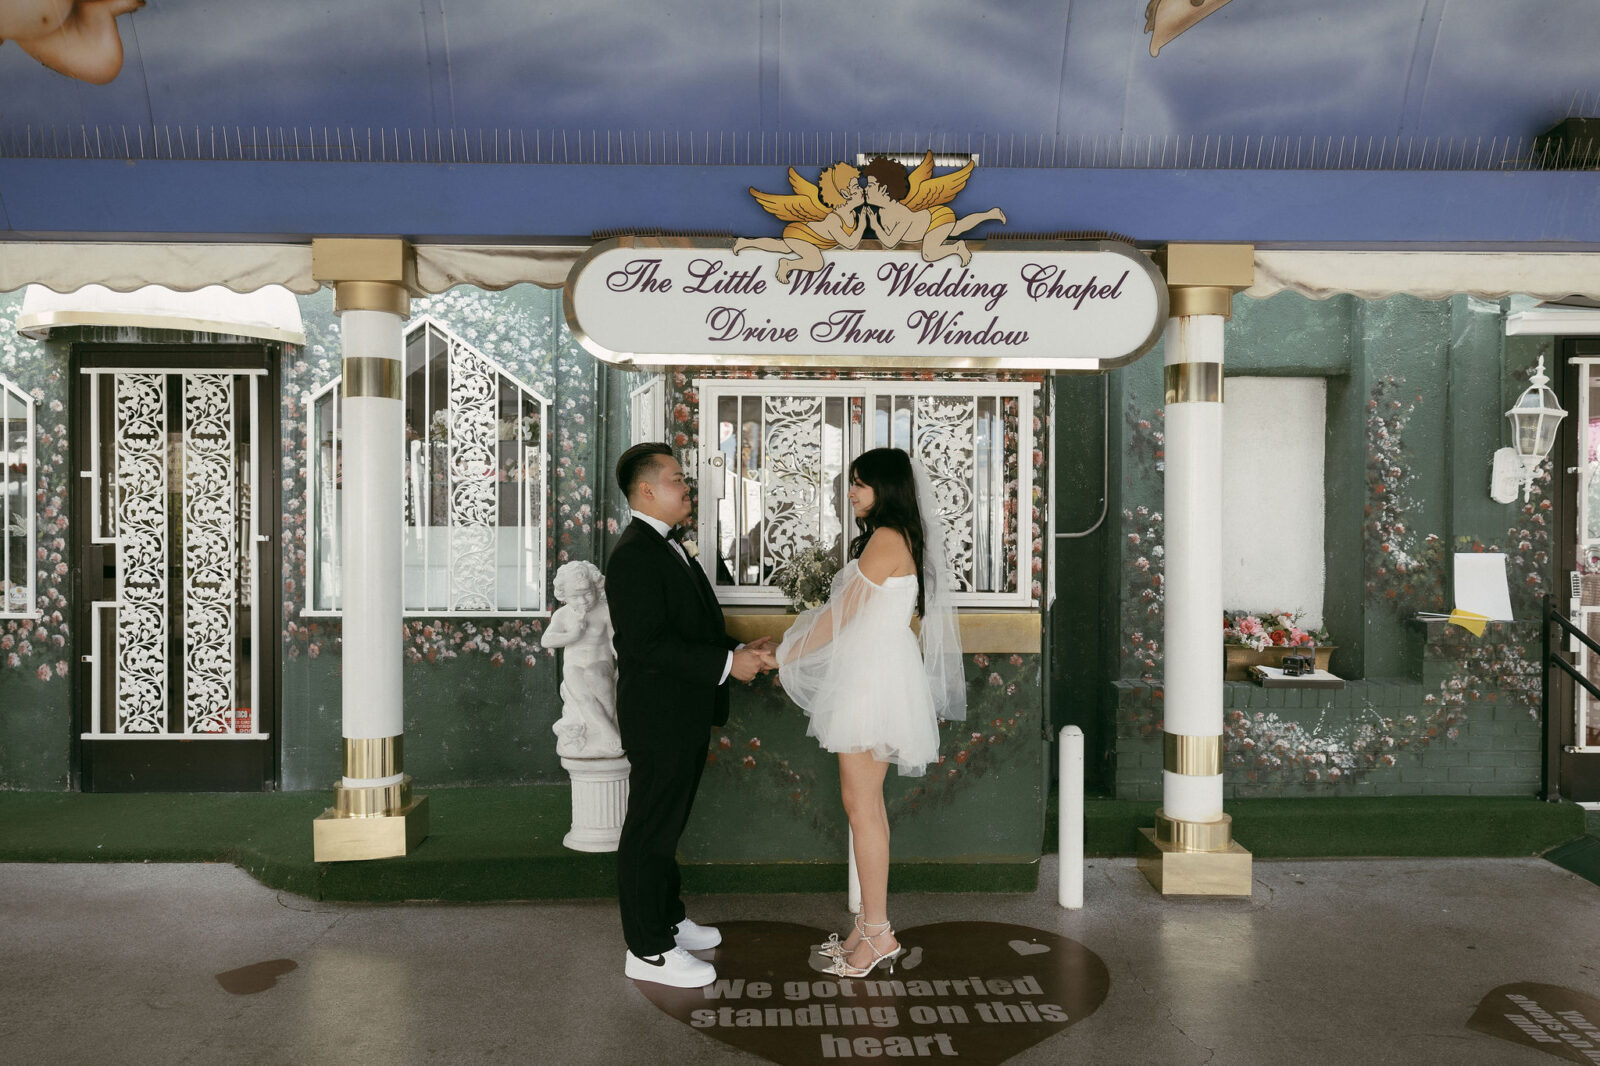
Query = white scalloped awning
x=67 y=266
x=271 y=312
x=1429 y=275
x=1433 y=275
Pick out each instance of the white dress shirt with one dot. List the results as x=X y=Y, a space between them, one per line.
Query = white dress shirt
x=661 y=527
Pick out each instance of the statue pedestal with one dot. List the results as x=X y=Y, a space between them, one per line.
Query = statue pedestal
x=599 y=800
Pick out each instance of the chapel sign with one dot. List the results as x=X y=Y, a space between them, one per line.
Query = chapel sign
x=868 y=278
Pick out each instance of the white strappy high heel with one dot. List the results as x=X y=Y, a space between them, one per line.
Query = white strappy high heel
x=833 y=947
x=842 y=968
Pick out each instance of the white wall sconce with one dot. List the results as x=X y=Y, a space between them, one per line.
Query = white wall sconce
x=1535 y=417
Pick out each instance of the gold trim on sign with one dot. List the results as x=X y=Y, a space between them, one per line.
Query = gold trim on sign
x=372 y=757
x=1193 y=382
x=371 y=375
x=1194 y=836
x=1189 y=755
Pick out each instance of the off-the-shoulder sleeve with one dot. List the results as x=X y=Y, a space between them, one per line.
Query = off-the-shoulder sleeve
x=807 y=655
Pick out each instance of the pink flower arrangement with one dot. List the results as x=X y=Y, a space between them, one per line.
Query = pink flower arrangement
x=1274 y=629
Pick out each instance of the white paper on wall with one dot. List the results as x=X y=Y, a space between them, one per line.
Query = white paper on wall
x=1480 y=585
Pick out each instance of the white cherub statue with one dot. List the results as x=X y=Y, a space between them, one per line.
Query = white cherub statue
x=587 y=728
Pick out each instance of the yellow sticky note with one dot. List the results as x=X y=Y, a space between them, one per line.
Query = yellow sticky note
x=1471 y=621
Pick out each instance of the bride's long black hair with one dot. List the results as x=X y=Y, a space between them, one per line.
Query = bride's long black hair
x=887 y=472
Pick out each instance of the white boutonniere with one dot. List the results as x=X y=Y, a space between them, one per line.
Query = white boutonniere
x=691 y=548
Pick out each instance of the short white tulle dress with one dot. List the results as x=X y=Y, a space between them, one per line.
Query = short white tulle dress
x=855 y=667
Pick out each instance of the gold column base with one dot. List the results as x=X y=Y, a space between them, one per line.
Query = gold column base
x=1176 y=872
x=337 y=835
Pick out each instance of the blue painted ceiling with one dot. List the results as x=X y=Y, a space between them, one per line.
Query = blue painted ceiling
x=1359 y=68
x=1072 y=115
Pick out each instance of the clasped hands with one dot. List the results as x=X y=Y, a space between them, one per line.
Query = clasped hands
x=754 y=658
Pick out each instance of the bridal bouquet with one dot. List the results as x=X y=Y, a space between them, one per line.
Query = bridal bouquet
x=807 y=577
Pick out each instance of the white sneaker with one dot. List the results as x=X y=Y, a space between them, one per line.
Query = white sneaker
x=692 y=937
x=676 y=967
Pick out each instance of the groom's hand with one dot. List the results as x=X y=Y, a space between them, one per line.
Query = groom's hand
x=747 y=661
x=764 y=645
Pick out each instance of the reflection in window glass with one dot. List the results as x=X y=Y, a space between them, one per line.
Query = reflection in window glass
x=473 y=499
x=17 y=466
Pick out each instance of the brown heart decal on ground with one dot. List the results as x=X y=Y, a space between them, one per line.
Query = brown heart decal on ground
x=982 y=991
x=1553 y=1019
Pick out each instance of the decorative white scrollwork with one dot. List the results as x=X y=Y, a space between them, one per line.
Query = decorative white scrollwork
x=791 y=460
x=210 y=553
x=140 y=402
x=945 y=439
x=474 y=511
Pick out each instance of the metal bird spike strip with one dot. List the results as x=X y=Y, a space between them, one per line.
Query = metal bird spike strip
x=505 y=146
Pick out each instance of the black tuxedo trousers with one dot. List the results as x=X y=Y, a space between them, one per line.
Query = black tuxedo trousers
x=672 y=649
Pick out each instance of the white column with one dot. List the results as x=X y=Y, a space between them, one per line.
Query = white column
x=374 y=814
x=1191 y=850
x=372 y=448
x=1193 y=578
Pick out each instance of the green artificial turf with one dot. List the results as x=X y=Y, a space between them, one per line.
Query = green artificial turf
x=505 y=843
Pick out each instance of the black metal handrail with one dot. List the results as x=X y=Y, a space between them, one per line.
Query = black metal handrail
x=1552 y=658
x=1550 y=786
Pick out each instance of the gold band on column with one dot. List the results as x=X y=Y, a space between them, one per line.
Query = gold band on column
x=1190 y=755
x=369 y=757
x=1186 y=300
x=1193 y=382
x=371 y=375
x=390 y=296
x=371 y=801
x=1194 y=836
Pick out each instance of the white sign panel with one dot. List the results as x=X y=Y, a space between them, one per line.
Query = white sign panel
x=1046 y=305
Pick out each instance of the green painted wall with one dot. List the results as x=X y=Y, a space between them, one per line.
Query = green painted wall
x=480 y=694
x=37 y=654
x=1416 y=393
x=771 y=794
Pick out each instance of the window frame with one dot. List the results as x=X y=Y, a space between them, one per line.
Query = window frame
x=710 y=390
x=10 y=393
x=647 y=410
x=538 y=523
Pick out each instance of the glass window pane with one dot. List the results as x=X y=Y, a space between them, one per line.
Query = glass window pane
x=324 y=520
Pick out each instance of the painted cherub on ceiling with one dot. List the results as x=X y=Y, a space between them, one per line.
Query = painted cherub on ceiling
x=1166 y=19
x=901 y=208
x=78 y=38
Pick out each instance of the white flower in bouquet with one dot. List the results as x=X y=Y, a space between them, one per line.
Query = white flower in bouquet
x=808 y=577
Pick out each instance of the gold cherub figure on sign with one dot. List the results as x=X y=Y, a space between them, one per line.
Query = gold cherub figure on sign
x=902 y=207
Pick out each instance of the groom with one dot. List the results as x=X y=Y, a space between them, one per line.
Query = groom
x=674 y=658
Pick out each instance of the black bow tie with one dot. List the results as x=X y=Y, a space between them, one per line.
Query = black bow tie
x=676 y=534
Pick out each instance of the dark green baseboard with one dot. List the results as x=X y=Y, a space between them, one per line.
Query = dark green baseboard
x=505 y=843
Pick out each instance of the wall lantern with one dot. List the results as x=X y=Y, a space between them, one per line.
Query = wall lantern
x=1534 y=419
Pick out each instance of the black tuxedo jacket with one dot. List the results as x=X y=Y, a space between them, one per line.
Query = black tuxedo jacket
x=671 y=643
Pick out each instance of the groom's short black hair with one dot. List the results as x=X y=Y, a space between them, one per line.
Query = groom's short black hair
x=638 y=463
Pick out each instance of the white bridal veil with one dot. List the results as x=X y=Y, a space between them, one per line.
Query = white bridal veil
x=941 y=637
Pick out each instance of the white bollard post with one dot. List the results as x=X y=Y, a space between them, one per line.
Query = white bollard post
x=853 y=886
x=1069 y=828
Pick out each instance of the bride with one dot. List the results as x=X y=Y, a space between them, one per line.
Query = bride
x=871 y=686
